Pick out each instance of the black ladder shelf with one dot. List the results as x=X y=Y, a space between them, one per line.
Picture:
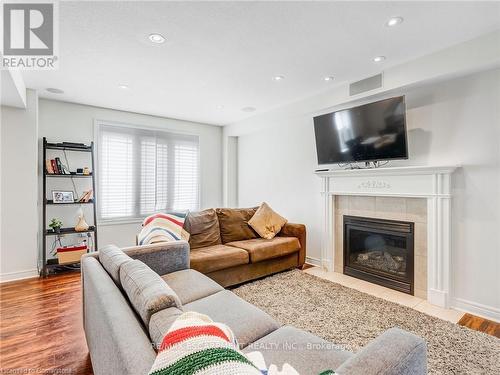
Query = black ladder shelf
x=48 y=264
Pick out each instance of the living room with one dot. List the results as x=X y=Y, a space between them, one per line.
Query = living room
x=317 y=182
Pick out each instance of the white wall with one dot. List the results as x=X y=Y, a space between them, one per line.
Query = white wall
x=452 y=122
x=230 y=171
x=19 y=170
x=60 y=121
x=12 y=89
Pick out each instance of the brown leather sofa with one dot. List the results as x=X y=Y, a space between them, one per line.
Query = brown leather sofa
x=225 y=248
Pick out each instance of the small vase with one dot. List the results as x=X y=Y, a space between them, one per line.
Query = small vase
x=82 y=225
x=57 y=230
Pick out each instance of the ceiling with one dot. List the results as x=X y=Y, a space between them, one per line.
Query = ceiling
x=227 y=53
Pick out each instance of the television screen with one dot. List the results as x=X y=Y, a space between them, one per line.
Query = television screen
x=370 y=132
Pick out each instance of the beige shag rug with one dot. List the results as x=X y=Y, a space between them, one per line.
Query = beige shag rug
x=351 y=318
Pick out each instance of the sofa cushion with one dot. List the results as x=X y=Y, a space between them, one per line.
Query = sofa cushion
x=247 y=322
x=160 y=322
x=146 y=290
x=233 y=224
x=261 y=249
x=191 y=285
x=111 y=258
x=203 y=228
x=394 y=352
x=309 y=355
x=266 y=222
x=218 y=257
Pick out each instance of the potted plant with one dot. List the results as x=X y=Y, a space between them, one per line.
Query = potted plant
x=56 y=225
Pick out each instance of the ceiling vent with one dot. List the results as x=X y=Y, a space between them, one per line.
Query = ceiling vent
x=367 y=84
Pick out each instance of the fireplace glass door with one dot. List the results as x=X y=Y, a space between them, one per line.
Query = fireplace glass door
x=379 y=251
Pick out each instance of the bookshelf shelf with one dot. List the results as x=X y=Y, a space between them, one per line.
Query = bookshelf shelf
x=50 y=201
x=69 y=175
x=49 y=264
x=54 y=262
x=50 y=232
x=69 y=147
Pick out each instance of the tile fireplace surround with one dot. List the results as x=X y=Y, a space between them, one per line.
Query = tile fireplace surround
x=417 y=194
x=389 y=208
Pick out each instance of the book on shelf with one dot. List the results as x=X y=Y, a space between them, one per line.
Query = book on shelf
x=54 y=166
x=86 y=196
x=48 y=166
x=61 y=167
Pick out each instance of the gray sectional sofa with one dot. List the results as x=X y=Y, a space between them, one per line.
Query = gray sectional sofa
x=120 y=342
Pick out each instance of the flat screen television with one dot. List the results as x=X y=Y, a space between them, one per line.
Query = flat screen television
x=370 y=132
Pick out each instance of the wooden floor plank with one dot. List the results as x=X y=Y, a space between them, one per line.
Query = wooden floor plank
x=480 y=324
x=41 y=326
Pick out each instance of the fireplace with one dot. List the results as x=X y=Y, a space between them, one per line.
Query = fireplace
x=380 y=251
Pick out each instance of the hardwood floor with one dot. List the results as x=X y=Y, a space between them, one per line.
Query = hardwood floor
x=41 y=326
x=480 y=324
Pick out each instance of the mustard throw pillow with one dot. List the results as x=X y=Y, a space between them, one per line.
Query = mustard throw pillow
x=266 y=222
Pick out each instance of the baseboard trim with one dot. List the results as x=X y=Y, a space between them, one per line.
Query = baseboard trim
x=484 y=311
x=313 y=261
x=18 y=275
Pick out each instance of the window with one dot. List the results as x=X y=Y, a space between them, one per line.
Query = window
x=145 y=171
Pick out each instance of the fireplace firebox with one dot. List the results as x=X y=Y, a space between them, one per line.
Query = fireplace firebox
x=379 y=251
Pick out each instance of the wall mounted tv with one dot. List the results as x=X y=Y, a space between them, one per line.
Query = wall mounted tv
x=370 y=132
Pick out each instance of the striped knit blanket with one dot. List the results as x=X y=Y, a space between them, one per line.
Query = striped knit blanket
x=194 y=345
x=163 y=227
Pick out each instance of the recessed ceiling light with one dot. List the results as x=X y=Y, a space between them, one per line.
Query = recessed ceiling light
x=394 y=21
x=122 y=86
x=156 y=38
x=220 y=106
x=53 y=90
x=379 y=58
x=248 y=109
x=278 y=78
x=328 y=78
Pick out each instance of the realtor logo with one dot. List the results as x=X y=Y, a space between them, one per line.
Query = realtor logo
x=28 y=29
x=28 y=35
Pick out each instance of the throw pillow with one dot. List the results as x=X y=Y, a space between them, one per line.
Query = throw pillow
x=146 y=290
x=112 y=258
x=196 y=345
x=163 y=227
x=234 y=224
x=203 y=228
x=266 y=222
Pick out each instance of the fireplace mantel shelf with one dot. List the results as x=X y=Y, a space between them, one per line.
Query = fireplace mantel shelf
x=388 y=171
x=433 y=183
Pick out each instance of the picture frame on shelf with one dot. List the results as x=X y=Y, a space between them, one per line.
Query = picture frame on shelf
x=59 y=196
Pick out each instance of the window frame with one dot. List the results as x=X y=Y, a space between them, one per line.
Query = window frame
x=133 y=220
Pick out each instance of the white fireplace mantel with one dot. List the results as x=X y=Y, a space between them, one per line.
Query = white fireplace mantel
x=432 y=183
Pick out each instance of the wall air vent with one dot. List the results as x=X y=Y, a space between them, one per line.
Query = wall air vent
x=367 y=84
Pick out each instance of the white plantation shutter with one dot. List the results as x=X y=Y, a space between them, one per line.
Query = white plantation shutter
x=147 y=179
x=115 y=175
x=163 y=173
x=185 y=176
x=145 y=171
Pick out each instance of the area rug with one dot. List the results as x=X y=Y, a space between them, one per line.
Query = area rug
x=352 y=319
